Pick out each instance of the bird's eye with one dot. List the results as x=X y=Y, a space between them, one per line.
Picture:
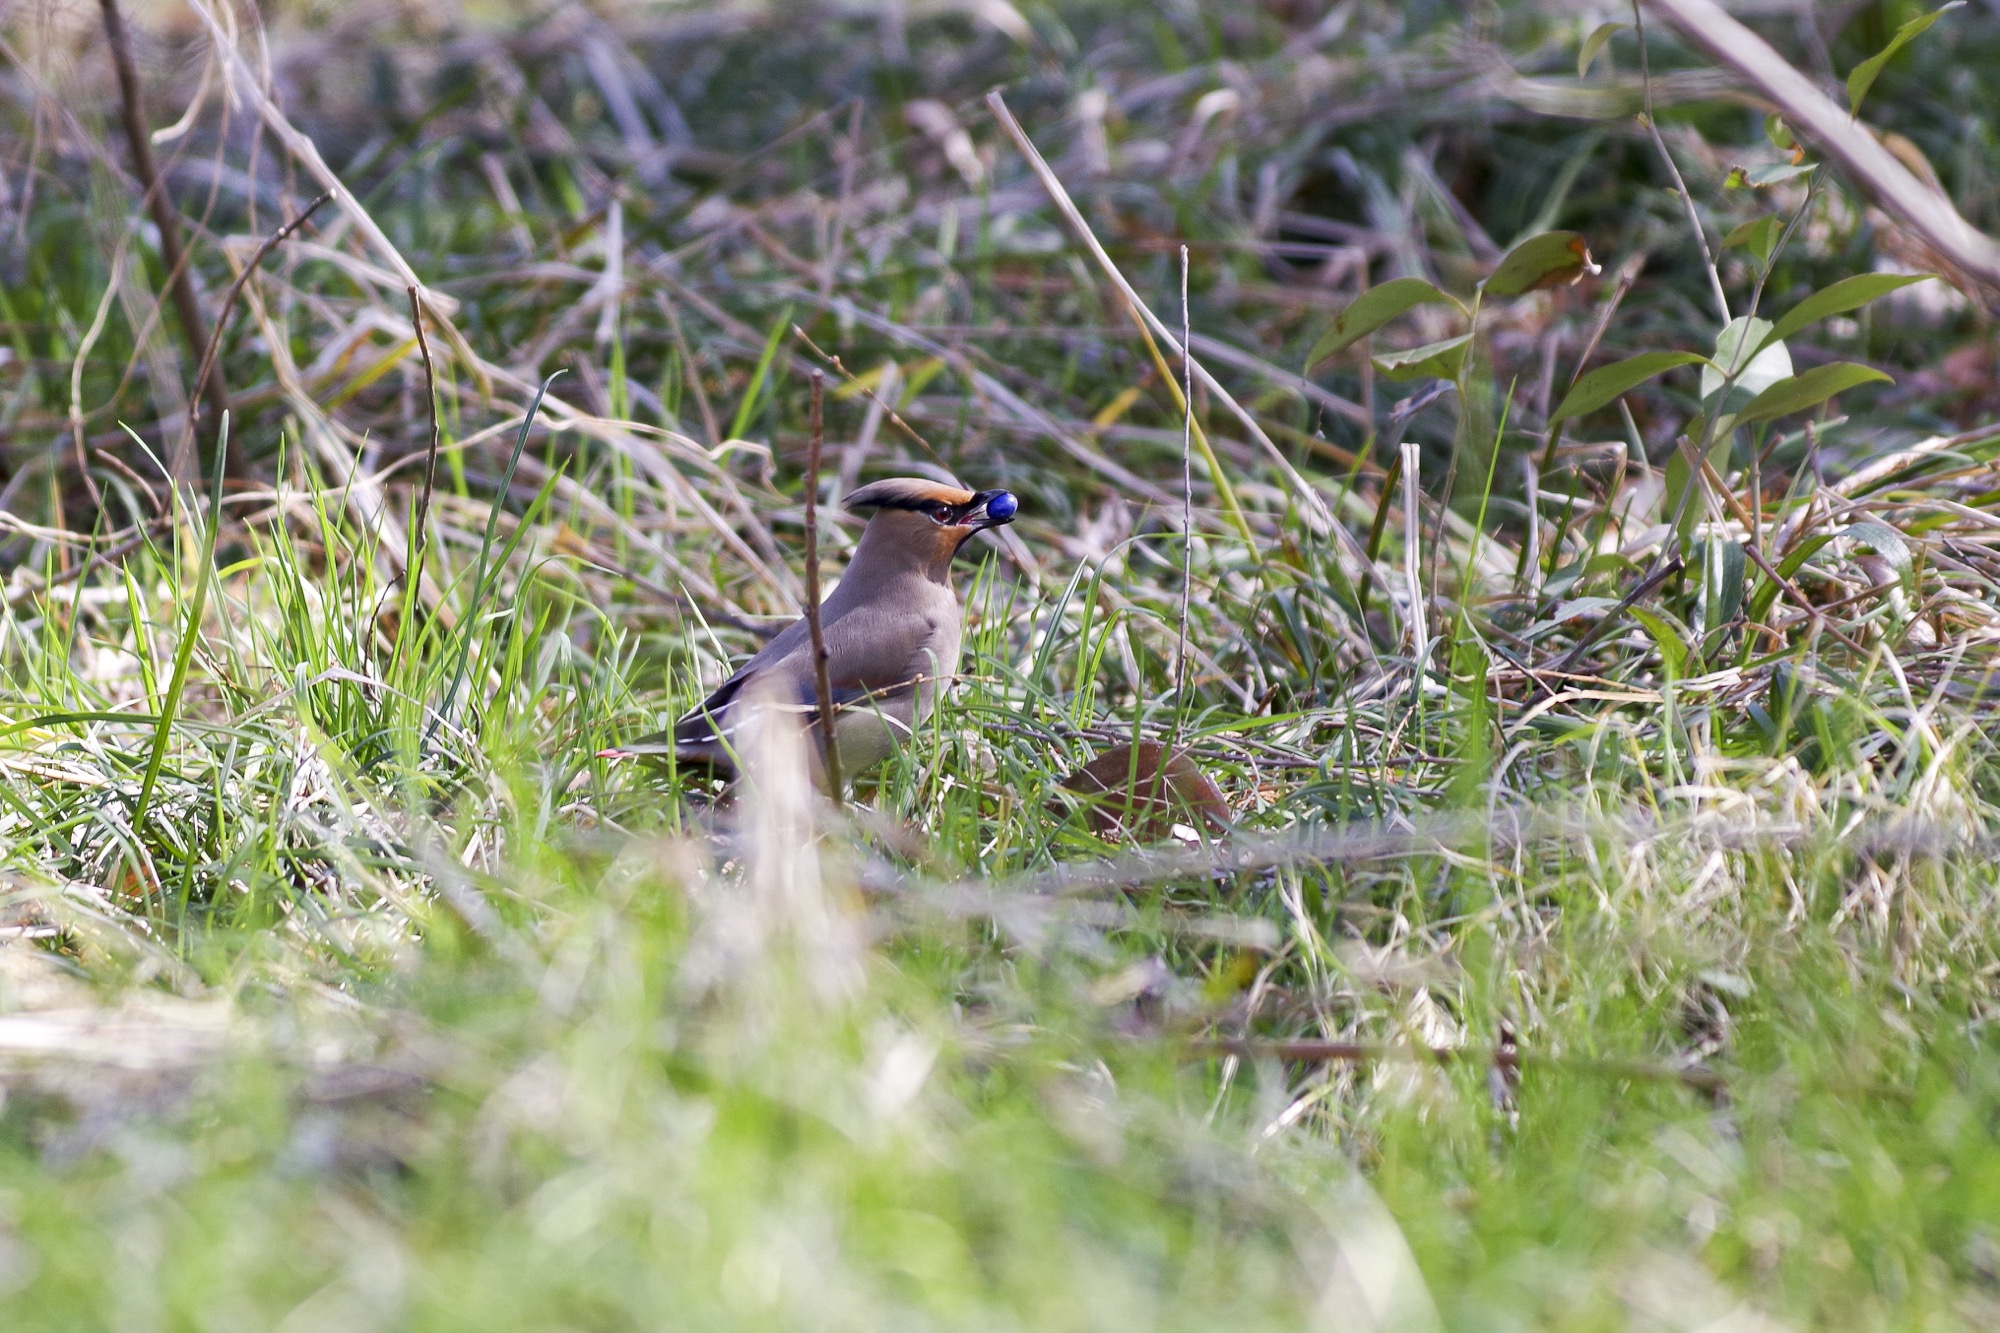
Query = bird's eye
x=940 y=514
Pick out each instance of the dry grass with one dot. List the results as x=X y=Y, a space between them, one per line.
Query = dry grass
x=382 y=999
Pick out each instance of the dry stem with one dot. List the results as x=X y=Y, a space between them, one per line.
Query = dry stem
x=421 y=521
x=822 y=686
x=208 y=383
x=1840 y=136
x=271 y=242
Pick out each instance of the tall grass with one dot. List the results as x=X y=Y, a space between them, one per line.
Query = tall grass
x=1602 y=936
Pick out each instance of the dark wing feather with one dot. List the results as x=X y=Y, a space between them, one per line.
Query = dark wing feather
x=872 y=654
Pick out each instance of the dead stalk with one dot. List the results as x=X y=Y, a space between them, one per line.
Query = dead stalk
x=822 y=686
x=1680 y=186
x=1839 y=135
x=1506 y=1058
x=840 y=367
x=271 y=242
x=208 y=385
x=1150 y=324
x=421 y=521
x=1187 y=495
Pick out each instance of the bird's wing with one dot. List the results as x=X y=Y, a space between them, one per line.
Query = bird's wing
x=872 y=654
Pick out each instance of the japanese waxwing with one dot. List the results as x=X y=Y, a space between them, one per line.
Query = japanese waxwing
x=891 y=628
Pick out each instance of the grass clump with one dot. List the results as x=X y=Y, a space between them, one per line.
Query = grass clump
x=1588 y=627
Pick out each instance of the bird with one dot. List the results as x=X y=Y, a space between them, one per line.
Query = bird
x=891 y=628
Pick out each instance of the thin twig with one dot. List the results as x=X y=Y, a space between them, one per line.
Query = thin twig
x=422 y=521
x=271 y=242
x=822 y=686
x=1784 y=239
x=1842 y=137
x=1604 y=622
x=22 y=591
x=691 y=372
x=895 y=418
x=1660 y=144
x=160 y=206
x=1187 y=495
x=1152 y=324
x=1505 y=1058
x=1420 y=638
x=1627 y=275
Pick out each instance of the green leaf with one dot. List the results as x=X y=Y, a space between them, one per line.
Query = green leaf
x=1753 y=370
x=1374 y=308
x=1582 y=608
x=753 y=396
x=1604 y=385
x=170 y=702
x=1771 y=173
x=1767 y=592
x=1809 y=390
x=1440 y=360
x=1806 y=550
x=1673 y=648
x=1551 y=259
x=1779 y=133
x=1610 y=562
x=1759 y=236
x=1592 y=44
x=1843 y=296
x=1862 y=77
x=1888 y=543
x=1722 y=574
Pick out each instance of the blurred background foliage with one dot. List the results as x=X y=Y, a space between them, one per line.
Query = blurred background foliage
x=1563 y=968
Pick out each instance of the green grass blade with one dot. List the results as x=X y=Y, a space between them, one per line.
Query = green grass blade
x=170 y=702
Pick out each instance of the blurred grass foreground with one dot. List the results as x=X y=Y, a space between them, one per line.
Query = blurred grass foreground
x=1568 y=550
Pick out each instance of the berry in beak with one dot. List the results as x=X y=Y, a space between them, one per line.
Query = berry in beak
x=992 y=509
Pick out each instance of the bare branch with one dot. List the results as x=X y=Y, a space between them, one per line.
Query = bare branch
x=1842 y=137
x=822 y=686
x=208 y=386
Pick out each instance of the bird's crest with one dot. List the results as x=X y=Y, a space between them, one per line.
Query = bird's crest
x=917 y=493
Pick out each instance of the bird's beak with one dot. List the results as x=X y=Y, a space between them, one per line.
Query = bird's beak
x=991 y=509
